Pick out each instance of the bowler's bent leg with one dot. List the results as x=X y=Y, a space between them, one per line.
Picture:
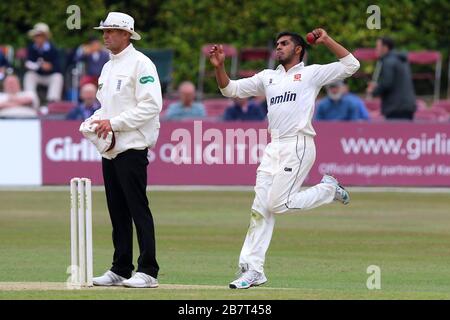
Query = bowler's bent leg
x=285 y=195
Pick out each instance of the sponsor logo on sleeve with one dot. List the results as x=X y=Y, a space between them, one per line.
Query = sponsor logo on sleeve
x=146 y=79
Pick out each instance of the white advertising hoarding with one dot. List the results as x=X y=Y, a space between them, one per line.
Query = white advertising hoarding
x=20 y=152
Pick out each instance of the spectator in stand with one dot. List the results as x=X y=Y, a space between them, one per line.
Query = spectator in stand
x=394 y=84
x=15 y=103
x=43 y=64
x=363 y=112
x=337 y=106
x=4 y=65
x=187 y=107
x=244 y=109
x=88 y=104
x=262 y=104
x=94 y=55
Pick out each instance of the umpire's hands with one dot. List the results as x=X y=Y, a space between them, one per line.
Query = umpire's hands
x=103 y=128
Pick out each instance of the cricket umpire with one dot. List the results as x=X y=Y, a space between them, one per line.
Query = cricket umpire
x=131 y=100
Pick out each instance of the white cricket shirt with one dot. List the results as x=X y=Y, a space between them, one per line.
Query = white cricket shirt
x=130 y=95
x=291 y=95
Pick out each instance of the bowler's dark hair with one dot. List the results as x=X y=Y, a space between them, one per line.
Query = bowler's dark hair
x=388 y=42
x=297 y=39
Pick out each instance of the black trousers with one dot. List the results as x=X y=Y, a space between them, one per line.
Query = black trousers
x=125 y=180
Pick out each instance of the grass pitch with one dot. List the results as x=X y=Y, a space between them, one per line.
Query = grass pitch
x=319 y=254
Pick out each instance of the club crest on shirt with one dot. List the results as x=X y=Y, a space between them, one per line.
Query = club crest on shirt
x=100 y=86
x=298 y=77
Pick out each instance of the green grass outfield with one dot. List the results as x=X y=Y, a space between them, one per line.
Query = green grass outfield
x=320 y=254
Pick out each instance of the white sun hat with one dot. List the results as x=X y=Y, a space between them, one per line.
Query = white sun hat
x=119 y=20
x=39 y=28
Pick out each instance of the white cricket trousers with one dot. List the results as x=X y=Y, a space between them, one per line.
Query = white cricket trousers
x=54 y=82
x=284 y=166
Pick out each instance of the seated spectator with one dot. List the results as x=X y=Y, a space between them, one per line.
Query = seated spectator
x=336 y=106
x=4 y=65
x=43 y=64
x=94 y=55
x=186 y=108
x=15 y=103
x=363 y=112
x=262 y=104
x=88 y=104
x=244 y=110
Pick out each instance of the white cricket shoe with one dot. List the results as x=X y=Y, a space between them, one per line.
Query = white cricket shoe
x=341 y=194
x=108 y=279
x=248 y=278
x=141 y=280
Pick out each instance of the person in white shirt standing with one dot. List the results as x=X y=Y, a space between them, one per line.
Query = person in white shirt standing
x=290 y=90
x=130 y=95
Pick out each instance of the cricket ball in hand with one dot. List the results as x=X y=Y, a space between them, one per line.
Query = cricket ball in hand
x=311 y=38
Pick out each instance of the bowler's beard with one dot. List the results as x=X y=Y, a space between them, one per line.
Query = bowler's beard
x=288 y=59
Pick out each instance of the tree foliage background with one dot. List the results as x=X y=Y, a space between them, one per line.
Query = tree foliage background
x=185 y=25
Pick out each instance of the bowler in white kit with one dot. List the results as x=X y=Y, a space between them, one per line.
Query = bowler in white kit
x=290 y=90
